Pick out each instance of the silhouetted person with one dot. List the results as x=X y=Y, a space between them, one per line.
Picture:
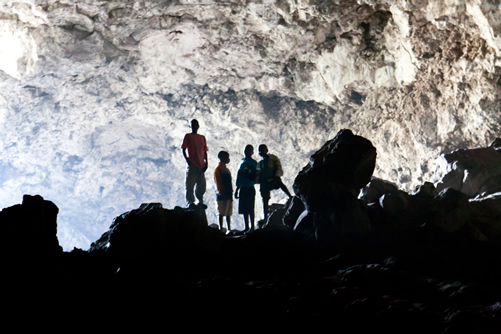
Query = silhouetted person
x=197 y=162
x=246 y=178
x=224 y=189
x=270 y=171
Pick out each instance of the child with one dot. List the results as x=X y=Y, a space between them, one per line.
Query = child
x=224 y=189
x=246 y=178
x=270 y=170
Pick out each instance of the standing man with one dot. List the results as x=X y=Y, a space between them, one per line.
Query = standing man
x=270 y=171
x=196 y=159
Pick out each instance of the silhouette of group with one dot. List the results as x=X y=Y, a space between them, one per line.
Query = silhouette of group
x=267 y=173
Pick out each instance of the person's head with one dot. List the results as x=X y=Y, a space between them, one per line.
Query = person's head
x=263 y=150
x=249 y=151
x=224 y=157
x=194 y=125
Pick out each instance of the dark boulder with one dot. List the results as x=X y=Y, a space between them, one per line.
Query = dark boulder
x=372 y=192
x=486 y=221
x=295 y=208
x=146 y=234
x=344 y=163
x=31 y=227
x=400 y=216
x=328 y=187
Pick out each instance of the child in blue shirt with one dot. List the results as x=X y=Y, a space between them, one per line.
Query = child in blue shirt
x=246 y=178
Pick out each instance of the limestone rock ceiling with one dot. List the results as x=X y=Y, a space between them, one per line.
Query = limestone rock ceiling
x=96 y=96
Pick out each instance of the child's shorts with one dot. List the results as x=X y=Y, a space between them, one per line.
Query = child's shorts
x=225 y=208
x=247 y=200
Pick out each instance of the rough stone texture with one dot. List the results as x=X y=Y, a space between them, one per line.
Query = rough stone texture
x=473 y=172
x=96 y=96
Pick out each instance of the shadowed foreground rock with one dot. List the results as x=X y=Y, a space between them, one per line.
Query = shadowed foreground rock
x=430 y=263
x=150 y=235
x=30 y=227
x=328 y=187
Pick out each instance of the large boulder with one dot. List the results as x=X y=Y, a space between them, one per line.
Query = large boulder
x=328 y=187
x=152 y=233
x=345 y=163
x=30 y=227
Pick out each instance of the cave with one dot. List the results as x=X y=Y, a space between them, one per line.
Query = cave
x=96 y=96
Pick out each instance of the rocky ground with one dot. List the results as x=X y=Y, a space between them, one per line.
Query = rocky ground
x=403 y=263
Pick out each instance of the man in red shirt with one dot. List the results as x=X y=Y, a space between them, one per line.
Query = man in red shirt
x=197 y=161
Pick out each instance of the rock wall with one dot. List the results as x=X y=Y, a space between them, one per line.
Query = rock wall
x=95 y=97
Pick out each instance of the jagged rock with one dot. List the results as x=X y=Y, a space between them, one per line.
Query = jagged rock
x=275 y=234
x=452 y=211
x=345 y=224
x=496 y=144
x=345 y=163
x=150 y=232
x=395 y=215
x=486 y=218
x=31 y=227
x=294 y=209
x=472 y=172
x=276 y=216
x=328 y=186
x=305 y=226
x=376 y=188
x=425 y=190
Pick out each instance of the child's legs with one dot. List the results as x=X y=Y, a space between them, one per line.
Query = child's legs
x=228 y=222
x=246 y=204
x=265 y=194
x=252 y=220
x=221 y=222
x=246 y=220
x=225 y=208
x=285 y=190
x=265 y=206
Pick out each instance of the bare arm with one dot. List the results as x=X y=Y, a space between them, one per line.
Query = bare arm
x=206 y=162
x=218 y=181
x=186 y=157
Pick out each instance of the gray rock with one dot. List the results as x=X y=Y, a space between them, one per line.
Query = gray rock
x=472 y=172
